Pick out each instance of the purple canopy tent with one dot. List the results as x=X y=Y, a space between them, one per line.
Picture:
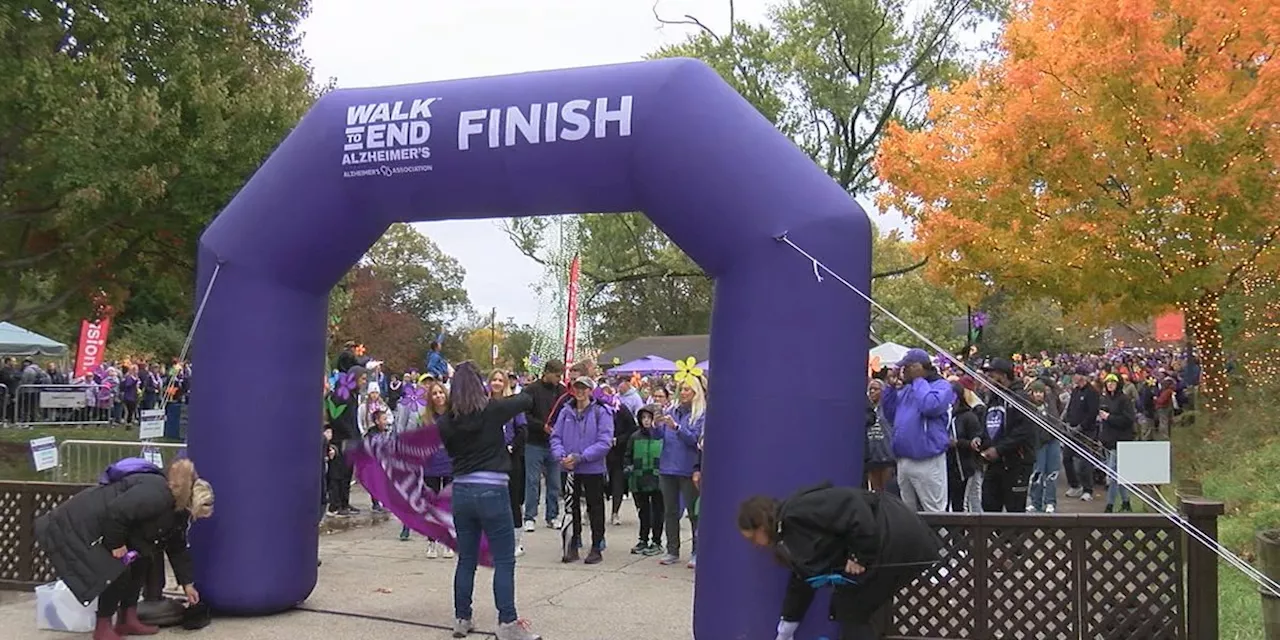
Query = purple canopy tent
x=705 y=365
x=667 y=137
x=647 y=364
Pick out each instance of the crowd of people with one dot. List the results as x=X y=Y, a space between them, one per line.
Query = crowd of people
x=568 y=437
x=114 y=392
x=944 y=442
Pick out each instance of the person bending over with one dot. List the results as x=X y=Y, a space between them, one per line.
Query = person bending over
x=136 y=512
x=866 y=545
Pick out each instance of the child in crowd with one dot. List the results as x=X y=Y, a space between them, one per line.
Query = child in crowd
x=640 y=465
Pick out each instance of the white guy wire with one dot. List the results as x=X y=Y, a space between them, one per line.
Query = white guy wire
x=186 y=344
x=1172 y=515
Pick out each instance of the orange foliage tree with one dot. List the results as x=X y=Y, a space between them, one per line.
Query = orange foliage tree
x=1117 y=153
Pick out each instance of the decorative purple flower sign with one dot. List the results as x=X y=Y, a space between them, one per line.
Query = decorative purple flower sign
x=979 y=319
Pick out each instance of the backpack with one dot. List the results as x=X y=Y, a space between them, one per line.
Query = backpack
x=127 y=467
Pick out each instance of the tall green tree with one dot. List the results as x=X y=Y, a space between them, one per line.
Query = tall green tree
x=427 y=282
x=124 y=127
x=831 y=74
x=904 y=290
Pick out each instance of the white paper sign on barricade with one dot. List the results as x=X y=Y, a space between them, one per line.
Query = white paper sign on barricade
x=151 y=424
x=152 y=455
x=1144 y=462
x=63 y=399
x=44 y=453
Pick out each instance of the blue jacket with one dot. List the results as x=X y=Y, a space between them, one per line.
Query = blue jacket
x=587 y=434
x=919 y=413
x=437 y=365
x=680 y=445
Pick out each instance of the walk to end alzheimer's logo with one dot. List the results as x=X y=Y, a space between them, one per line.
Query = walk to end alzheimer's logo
x=387 y=138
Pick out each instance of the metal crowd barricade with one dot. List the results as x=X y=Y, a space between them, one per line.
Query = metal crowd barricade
x=44 y=404
x=6 y=405
x=82 y=461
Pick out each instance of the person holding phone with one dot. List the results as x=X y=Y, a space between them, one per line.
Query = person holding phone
x=681 y=431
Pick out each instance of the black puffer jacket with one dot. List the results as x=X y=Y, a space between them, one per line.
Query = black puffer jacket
x=136 y=511
x=821 y=527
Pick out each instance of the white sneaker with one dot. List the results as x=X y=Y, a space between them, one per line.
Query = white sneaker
x=518 y=630
x=519 y=550
x=446 y=552
x=1048 y=508
x=617 y=520
x=1087 y=497
x=530 y=526
x=432 y=551
x=1031 y=509
x=552 y=524
x=1075 y=492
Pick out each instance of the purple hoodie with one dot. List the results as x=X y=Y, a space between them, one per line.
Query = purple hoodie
x=587 y=434
x=680 y=445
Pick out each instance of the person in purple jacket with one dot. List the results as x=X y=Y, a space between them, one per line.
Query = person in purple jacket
x=129 y=394
x=681 y=432
x=580 y=440
x=920 y=410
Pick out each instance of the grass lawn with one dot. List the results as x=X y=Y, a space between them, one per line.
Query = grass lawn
x=1237 y=458
x=15 y=451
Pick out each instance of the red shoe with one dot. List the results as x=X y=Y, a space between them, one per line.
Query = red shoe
x=103 y=630
x=128 y=624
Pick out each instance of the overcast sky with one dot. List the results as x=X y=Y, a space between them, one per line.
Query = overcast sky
x=385 y=42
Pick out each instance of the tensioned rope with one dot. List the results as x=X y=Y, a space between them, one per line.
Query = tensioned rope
x=186 y=344
x=1014 y=401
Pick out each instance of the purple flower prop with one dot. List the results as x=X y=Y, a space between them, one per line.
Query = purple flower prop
x=606 y=400
x=535 y=360
x=979 y=320
x=346 y=384
x=414 y=398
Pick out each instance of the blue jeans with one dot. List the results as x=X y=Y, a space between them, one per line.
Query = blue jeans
x=1114 y=487
x=1044 y=476
x=484 y=508
x=538 y=462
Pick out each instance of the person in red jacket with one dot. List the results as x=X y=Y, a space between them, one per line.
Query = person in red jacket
x=1165 y=405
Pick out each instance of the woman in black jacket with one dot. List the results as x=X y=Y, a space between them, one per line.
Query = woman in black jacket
x=962 y=460
x=473 y=434
x=870 y=543
x=89 y=538
x=1116 y=416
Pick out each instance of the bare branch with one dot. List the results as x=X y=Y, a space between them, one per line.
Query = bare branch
x=904 y=270
x=688 y=20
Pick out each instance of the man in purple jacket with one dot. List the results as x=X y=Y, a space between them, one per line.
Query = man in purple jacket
x=920 y=410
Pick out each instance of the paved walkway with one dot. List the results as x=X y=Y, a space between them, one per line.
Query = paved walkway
x=369 y=571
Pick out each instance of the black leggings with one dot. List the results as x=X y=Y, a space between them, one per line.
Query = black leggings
x=123 y=593
x=516 y=486
x=591 y=488
x=649 y=507
x=437 y=484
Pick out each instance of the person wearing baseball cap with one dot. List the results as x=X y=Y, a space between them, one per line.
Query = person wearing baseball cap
x=1008 y=445
x=580 y=440
x=920 y=413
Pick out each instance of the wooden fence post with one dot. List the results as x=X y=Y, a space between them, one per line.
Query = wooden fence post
x=1268 y=543
x=1202 y=568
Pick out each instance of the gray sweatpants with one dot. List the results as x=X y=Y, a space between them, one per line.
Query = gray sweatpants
x=923 y=483
x=673 y=489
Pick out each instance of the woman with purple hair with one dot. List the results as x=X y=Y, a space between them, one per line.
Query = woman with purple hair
x=473 y=434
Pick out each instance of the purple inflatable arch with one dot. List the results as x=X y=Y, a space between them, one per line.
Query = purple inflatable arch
x=667 y=137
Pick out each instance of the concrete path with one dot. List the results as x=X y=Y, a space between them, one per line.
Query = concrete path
x=369 y=572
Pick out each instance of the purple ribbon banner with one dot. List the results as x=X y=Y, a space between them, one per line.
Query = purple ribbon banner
x=390 y=467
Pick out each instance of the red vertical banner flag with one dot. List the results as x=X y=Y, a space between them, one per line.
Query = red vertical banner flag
x=1171 y=327
x=93 y=345
x=571 y=326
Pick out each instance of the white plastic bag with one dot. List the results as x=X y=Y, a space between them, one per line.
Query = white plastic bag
x=58 y=610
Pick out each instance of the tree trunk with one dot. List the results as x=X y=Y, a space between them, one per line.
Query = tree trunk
x=1205 y=324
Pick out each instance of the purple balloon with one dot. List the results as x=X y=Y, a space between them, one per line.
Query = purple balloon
x=667 y=137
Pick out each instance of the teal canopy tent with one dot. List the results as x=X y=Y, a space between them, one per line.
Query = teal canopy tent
x=16 y=341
